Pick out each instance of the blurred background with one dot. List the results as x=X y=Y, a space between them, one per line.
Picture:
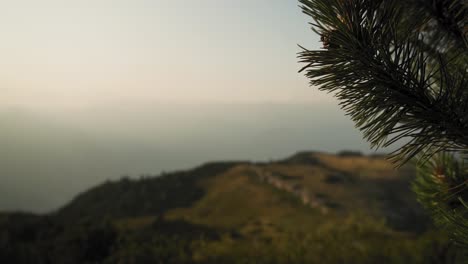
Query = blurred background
x=94 y=90
x=160 y=131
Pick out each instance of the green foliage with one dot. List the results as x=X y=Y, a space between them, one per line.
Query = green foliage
x=376 y=61
x=149 y=196
x=399 y=69
x=33 y=239
x=161 y=242
x=442 y=188
x=356 y=239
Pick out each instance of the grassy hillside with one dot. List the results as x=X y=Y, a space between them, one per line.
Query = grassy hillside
x=308 y=208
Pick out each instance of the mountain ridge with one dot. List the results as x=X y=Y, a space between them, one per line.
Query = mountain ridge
x=221 y=212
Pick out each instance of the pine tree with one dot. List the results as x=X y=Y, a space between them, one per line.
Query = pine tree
x=399 y=70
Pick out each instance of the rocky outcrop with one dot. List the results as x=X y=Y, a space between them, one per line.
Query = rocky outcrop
x=287 y=184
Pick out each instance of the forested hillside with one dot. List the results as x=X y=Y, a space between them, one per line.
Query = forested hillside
x=308 y=208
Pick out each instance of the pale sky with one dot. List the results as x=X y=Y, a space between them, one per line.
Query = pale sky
x=94 y=89
x=63 y=53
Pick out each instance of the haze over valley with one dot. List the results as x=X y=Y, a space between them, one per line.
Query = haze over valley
x=47 y=157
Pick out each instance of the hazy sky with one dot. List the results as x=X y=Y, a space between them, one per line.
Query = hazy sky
x=94 y=89
x=59 y=53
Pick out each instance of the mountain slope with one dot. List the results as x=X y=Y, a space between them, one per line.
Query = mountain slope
x=309 y=208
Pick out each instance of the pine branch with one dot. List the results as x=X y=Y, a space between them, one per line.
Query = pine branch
x=380 y=68
x=442 y=187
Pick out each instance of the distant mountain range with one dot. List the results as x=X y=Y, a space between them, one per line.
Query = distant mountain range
x=308 y=208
